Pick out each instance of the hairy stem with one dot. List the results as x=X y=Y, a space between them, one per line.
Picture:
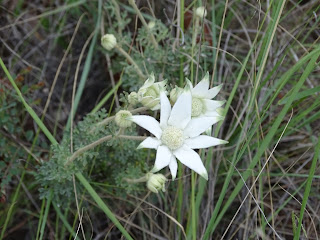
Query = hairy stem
x=86 y=148
x=131 y=61
x=133 y=4
x=98 y=142
x=138 y=180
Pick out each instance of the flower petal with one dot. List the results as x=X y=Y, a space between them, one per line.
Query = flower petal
x=211 y=114
x=150 y=142
x=211 y=93
x=198 y=125
x=203 y=141
x=192 y=160
x=212 y=105
x=181 y=111
x=165 y=109
x=163 y=158
x=173 y=166
x=201 y=89
x=148 y=123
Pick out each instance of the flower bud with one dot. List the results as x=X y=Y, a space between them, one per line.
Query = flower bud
x=174 y=94
x=122 y=119
x=133 y=98
x=149 y=93
x=201 y=12
x=151 y=24
x=108 y=41
x=156 y=182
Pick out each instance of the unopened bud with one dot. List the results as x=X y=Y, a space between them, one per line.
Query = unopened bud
x=151 y=24
x=174 y=94
x=149 y=93
x=122 y=119
x=156 y=182
x=108 y=41
x=133 y=98
x=201 y=12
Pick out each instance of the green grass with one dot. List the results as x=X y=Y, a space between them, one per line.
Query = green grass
x=265 y=55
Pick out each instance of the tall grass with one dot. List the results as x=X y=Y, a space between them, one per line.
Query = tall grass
x=262 y=185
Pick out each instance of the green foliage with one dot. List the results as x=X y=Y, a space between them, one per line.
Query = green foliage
x=110 y=159
x=12 y=134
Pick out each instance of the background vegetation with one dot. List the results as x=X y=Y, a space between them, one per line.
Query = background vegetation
x=263 y=185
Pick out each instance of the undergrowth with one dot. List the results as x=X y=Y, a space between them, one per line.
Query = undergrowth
x=59 y=84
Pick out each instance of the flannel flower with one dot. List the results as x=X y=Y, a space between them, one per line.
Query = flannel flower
x=149 y=93
x=177 y=135
x=202 y=105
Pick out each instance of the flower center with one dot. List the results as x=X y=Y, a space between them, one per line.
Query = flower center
x=197 y=107
x=172 y=137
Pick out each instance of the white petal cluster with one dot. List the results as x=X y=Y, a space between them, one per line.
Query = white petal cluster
x=177 y=133
x=149 y=93
x=202 y=103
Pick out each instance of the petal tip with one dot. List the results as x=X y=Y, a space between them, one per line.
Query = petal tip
x=206 y=77
x=204 y=175
x=223 y=142
x=188 y=85
x=220 y=111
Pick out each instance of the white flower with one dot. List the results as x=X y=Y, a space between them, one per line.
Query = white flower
x=177 y=135
x=156 y=182
x=108 y=41
x=149 y=93
x=202 y=105
x=201 y=12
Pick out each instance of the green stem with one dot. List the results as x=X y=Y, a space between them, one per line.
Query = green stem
x=45 y=217
x=27 y=107
x=138 y=180
x=308 y=188
x=193 y=210
x=102 y=205
x=64 y=220
x=106 y=97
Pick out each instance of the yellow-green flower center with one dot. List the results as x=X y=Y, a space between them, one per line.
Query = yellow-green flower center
x=172 y=137
x=197 y=107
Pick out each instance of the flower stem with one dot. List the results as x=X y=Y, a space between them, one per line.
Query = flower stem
x=133 y=4
x=193 y=210
x=86 y=148
x=131 y=61
x=98 y=142
x=138 y=138
x=138 y=180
